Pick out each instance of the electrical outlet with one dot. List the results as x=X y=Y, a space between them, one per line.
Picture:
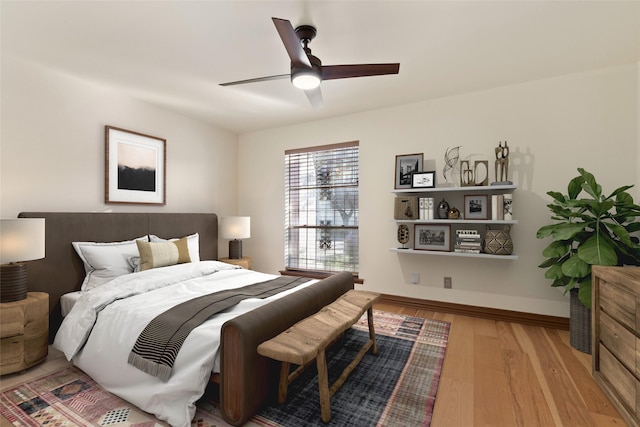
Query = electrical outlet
x=415 y=278
x=447 y=282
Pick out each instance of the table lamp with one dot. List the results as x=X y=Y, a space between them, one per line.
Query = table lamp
x=21 y=239
x=235 y=228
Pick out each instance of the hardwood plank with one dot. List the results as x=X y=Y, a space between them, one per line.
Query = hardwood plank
x=491 y=406
x=528 y=401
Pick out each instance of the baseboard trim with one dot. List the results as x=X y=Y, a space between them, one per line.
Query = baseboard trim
x=532 y=319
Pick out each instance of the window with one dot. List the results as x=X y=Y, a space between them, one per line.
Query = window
x=322 y=212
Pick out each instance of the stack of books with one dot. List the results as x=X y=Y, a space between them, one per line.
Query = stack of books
x=468 y=241
x=426 y=208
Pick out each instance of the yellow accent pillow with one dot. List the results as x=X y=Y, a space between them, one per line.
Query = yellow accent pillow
x=154 y=255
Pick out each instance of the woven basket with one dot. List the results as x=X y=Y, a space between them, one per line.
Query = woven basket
x=498 y=242
x=406 y=208
x=579 y=323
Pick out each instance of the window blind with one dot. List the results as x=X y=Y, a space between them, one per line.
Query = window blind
x=322 y=210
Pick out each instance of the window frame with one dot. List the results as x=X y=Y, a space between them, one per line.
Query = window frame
x=351 y=185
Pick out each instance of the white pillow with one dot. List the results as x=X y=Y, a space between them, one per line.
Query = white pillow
x=106 y=261
x=193 y=242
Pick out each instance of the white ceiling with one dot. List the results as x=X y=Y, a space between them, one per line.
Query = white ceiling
x=175 y=53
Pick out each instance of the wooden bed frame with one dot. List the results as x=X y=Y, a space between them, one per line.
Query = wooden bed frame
x=247 y=380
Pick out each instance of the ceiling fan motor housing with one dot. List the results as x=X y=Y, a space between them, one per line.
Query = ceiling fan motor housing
x=316 y=65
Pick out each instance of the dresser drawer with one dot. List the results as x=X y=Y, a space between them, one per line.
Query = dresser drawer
x=625 y=386
x=618 y=303
x=619 y=340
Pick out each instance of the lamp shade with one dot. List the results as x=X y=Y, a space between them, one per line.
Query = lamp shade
x=235 y=227
x=21 y=239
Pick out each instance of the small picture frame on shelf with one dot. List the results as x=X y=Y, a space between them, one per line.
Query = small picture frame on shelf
x=406 y=165
x=476 y=206
x=430 y=237
x=423 y=179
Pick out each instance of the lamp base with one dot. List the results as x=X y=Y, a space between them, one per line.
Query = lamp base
x=13 y=282
x=235 y=249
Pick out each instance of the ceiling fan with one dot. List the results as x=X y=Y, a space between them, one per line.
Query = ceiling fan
x=307 y=70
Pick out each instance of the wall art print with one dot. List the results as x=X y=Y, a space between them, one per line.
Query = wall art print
x=135 y=167
x=406 y=165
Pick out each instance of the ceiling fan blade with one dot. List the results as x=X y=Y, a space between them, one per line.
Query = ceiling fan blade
x=315 y=97
x=330 y=72
x=256 y=80
x=291 y=42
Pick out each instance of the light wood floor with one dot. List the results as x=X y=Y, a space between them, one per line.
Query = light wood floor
x=494 y=374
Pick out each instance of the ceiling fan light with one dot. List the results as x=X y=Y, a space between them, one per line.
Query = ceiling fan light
x=305 y=80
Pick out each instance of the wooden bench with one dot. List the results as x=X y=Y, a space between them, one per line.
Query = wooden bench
x=309 y=338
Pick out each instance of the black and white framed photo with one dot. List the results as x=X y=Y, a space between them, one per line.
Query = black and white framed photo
x=476 y=206
x=423 y=179
x=430 y=237
x=406 y=165
x=135 y=167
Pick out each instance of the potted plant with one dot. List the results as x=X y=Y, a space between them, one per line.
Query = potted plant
x=596 y=229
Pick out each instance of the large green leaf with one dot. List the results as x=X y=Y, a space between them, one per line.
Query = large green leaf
x=556 y=249
x=557 y=196
x=590 y=185
x=596 y=251
x=566 y=231
x=584 y=291
x=555 y=272
x=544 y=231
x=621 y=233
x=622 y=194
x=548 y=262
x=575 y=187
x=563 y=281
x=634 y=226
x=576 y=268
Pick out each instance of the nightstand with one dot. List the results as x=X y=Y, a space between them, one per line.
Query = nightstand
x=24 y=332
x=244 y=262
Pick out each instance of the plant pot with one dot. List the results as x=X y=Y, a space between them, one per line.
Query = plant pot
x=579 y=323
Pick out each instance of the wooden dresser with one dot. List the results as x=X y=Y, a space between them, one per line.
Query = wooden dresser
x=616 y=337
x=24 y=332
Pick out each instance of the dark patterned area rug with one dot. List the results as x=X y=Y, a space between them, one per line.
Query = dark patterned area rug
x=396 y=387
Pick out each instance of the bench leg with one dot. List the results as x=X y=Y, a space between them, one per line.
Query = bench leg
x=284 y=382
x=323 y=386
x=372 y=332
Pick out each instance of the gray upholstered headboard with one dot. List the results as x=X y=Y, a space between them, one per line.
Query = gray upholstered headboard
x=62 y=271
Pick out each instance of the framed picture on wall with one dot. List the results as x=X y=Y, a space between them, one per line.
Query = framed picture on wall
x=135 y=167
x=430 y=237
x=476 y=206
x=406 y=165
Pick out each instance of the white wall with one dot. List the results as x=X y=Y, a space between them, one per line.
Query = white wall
x=52 y=147
x=553 y=127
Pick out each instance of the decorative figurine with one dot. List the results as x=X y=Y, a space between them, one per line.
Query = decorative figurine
x=451 y=157
x=502 y=165
x=466 y=174
x=403 y=235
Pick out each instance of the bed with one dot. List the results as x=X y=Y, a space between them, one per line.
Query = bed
x=246 y=380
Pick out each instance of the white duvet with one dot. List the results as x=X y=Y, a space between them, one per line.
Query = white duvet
x=103 y=325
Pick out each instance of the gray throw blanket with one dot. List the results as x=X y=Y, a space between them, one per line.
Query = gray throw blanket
x=158 y=345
